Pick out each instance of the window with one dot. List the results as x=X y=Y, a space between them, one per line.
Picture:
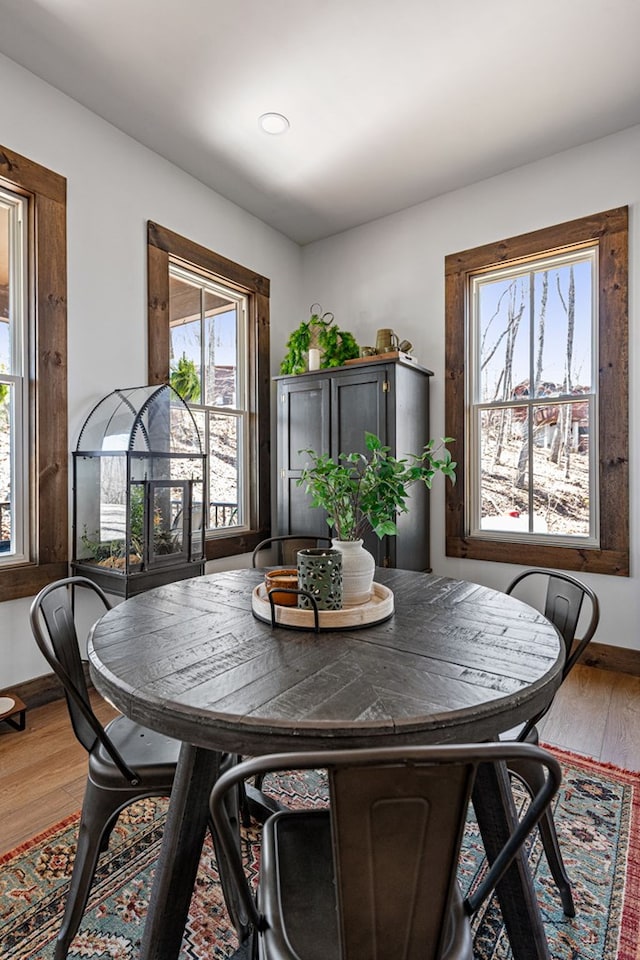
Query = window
x=33 y=397
x=537 y=397
x=209 y=337
x=14 y=394
x=208 y=333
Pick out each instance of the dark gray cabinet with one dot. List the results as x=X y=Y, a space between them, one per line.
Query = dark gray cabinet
x=329 y=411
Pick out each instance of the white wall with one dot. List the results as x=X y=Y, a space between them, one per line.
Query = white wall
x=115 y=186
x=390 y=273
x=387 y=273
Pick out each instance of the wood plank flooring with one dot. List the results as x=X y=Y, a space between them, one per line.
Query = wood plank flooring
x=43 y=768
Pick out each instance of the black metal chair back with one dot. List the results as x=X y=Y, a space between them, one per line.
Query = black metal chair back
x=53 y=626
x=382 y=858
x=563 y=604
x=54 y=629
x=286 y=547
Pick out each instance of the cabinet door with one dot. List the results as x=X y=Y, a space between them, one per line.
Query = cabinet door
x=303 y=424
x=358 y=404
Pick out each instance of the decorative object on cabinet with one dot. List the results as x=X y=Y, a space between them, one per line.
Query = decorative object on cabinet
x=318 y=342
x=330 y=411
x=138 y=472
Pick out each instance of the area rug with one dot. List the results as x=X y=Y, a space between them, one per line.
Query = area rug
x=597 y=813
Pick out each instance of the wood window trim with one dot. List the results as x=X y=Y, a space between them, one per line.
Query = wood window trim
x=610 y=230
x=163 y=246
x=47 y=310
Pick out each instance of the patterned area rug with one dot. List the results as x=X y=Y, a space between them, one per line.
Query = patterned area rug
x=597 y=814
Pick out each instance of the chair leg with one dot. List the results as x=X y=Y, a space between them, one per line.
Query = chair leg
x=99 y=813
x=531 y=775
x=233 y=808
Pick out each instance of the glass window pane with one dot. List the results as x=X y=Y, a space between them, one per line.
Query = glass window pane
x=5 y=339
x=504 y=485
x=503 y=336
x=221 y=352
x=224 y=475
x=167 y=503
x=185 y=329
x=563 y=335
x=6 y=484
x=558 y=474
x=561 y=469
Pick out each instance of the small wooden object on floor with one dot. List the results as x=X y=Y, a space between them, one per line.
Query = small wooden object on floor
x=10 y=706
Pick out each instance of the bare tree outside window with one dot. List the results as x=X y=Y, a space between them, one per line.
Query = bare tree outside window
x=533 y=441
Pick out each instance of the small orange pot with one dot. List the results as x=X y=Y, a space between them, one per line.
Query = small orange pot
x=282 y=578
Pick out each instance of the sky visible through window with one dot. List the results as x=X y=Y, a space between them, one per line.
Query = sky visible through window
x=507 y=302
x=185 y=339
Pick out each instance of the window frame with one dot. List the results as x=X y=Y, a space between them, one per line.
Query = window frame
x=609 y=230
x=165 y=247
x=46 y=307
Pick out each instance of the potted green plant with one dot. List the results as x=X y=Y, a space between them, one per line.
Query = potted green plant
x=363 y=491
x=335 y=345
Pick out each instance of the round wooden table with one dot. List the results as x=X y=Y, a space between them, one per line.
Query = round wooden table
x=457 y=662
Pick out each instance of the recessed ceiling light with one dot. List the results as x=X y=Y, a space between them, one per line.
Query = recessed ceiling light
x=273 y=123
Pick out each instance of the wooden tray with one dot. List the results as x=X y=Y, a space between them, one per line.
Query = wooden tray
x=392 y=355
x=378 y=608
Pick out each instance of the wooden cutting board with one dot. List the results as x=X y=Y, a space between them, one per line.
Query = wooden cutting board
x=392 y=355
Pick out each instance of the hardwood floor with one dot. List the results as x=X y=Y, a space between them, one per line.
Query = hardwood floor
x=597 y=712
x=43 y=768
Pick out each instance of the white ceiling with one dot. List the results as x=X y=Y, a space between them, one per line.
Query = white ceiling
x=391 y=102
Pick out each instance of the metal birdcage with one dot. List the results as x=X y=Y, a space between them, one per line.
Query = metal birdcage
x=138 y=483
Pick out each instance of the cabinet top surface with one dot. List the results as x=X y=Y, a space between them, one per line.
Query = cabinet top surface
x=356 y=367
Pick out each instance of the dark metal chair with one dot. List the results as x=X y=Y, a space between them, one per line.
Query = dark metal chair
x=286 y=547
x=563 y=604
x=126 y=761
x=373 y=877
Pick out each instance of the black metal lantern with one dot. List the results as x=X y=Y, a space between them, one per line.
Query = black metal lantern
x=138 y=482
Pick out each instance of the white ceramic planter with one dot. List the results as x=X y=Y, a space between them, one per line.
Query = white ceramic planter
x=357 y=572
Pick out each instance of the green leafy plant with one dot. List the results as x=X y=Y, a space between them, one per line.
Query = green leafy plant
x=335 y=345
x=363 y=491
x=185 y=379
x=164 y=541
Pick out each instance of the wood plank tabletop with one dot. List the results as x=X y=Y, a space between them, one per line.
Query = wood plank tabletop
x=456 y=662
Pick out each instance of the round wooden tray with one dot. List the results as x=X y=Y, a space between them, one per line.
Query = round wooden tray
x=378 y=608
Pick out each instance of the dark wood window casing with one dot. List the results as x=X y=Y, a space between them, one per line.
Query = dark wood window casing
x=165 y=247
x=609 y=230
x=47 y=311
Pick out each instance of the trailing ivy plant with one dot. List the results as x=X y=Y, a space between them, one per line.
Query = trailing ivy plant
x=335 y=345
x=365 y=491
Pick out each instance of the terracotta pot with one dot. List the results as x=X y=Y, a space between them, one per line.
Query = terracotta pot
x=282 y=578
